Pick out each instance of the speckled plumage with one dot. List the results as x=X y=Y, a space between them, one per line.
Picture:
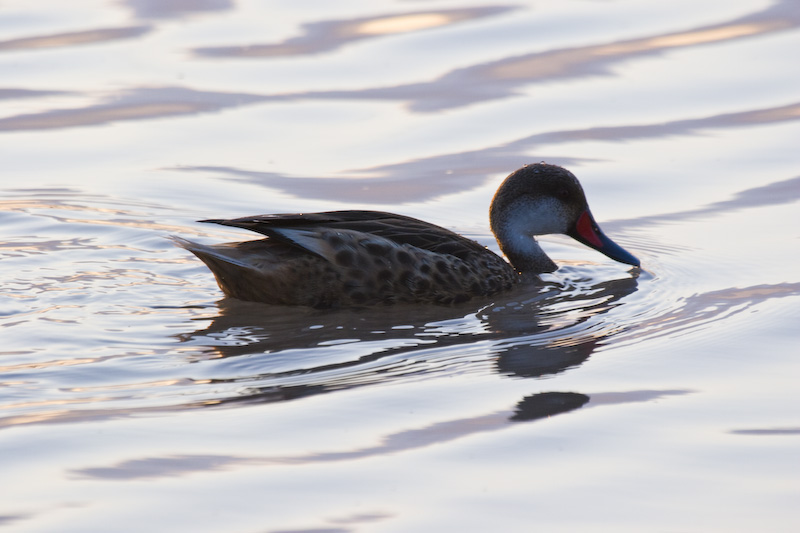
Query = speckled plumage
x=345 y=258
x=348 y=258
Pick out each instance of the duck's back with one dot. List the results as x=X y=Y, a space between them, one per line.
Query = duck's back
x=344 y=258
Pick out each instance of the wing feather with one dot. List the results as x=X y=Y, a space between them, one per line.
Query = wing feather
x=397 y=228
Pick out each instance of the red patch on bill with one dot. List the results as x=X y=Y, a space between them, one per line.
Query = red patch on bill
x=585 y=227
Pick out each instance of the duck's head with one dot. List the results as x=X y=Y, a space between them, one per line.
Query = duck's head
x=542 y=199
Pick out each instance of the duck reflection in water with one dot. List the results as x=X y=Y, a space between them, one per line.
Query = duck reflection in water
x=349 y=258
x=544 y=329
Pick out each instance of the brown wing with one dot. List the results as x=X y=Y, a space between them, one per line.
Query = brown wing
x=398 y=228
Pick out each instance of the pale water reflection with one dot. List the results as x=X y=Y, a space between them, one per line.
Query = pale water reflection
x=542 y=405
x=326 y=36
x=73 y=38
x=430 y=178
x=134 y=397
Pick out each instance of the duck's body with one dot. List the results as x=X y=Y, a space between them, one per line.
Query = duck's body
x=352 y=258
x=346 y=258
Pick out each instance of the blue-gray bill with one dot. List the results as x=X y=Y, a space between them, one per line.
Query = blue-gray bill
x=589 y=233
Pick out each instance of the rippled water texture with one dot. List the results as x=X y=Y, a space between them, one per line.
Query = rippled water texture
x=134 y=397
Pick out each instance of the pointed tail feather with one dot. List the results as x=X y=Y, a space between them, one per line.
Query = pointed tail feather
x=206 y=253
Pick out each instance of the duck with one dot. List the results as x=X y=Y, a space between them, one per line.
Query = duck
x=357 y=258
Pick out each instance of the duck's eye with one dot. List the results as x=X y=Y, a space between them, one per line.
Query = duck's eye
x=562 y=194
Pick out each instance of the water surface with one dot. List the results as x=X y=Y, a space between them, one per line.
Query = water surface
x=134 y=396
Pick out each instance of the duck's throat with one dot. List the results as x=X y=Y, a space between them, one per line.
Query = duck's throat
x=526 y=256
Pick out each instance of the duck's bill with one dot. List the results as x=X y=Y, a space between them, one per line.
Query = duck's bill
x=588 y=232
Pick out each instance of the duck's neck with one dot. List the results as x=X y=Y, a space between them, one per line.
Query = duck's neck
x=525 y=254
x=514 y=226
